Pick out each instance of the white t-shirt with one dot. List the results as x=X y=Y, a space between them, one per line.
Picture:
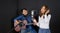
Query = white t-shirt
x=44 y=22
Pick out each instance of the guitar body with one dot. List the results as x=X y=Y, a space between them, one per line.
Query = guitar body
x=18 y=27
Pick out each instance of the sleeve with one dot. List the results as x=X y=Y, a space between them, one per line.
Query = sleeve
x=38 y=24
x=47 y=18
x=29 y=19
x=18 y=18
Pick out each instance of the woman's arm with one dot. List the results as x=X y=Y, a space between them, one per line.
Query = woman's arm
x=47 y=18
x=36 y=23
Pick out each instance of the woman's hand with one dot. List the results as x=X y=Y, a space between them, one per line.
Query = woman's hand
x=47 y=11
x=35 y=22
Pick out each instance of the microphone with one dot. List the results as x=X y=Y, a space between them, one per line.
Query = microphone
x=32 y=13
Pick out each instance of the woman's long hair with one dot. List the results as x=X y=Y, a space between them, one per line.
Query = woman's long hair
x=46 y=8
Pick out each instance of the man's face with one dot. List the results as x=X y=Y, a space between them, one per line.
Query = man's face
x=25 y=12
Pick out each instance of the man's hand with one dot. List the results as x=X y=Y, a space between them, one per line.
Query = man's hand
x=25 y=22
x=16 y=22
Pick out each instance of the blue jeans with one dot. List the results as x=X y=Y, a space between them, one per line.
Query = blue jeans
x=28 y=31
x=44 y=30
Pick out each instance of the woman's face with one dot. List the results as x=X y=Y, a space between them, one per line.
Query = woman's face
x=43 y=9
x=25 y=12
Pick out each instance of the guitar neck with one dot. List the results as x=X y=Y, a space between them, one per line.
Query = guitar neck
x=29 y=24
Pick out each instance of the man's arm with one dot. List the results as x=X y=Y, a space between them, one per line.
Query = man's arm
x=16 y=22
x=17 y=27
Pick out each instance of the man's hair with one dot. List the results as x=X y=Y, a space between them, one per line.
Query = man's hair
x=19 y=12
x=23 y=9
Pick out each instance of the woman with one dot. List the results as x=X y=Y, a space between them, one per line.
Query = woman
x=44 y=19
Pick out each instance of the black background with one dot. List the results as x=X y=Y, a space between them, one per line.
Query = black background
x=9 y=8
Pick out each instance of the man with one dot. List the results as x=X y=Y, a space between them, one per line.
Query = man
x=25 y=18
